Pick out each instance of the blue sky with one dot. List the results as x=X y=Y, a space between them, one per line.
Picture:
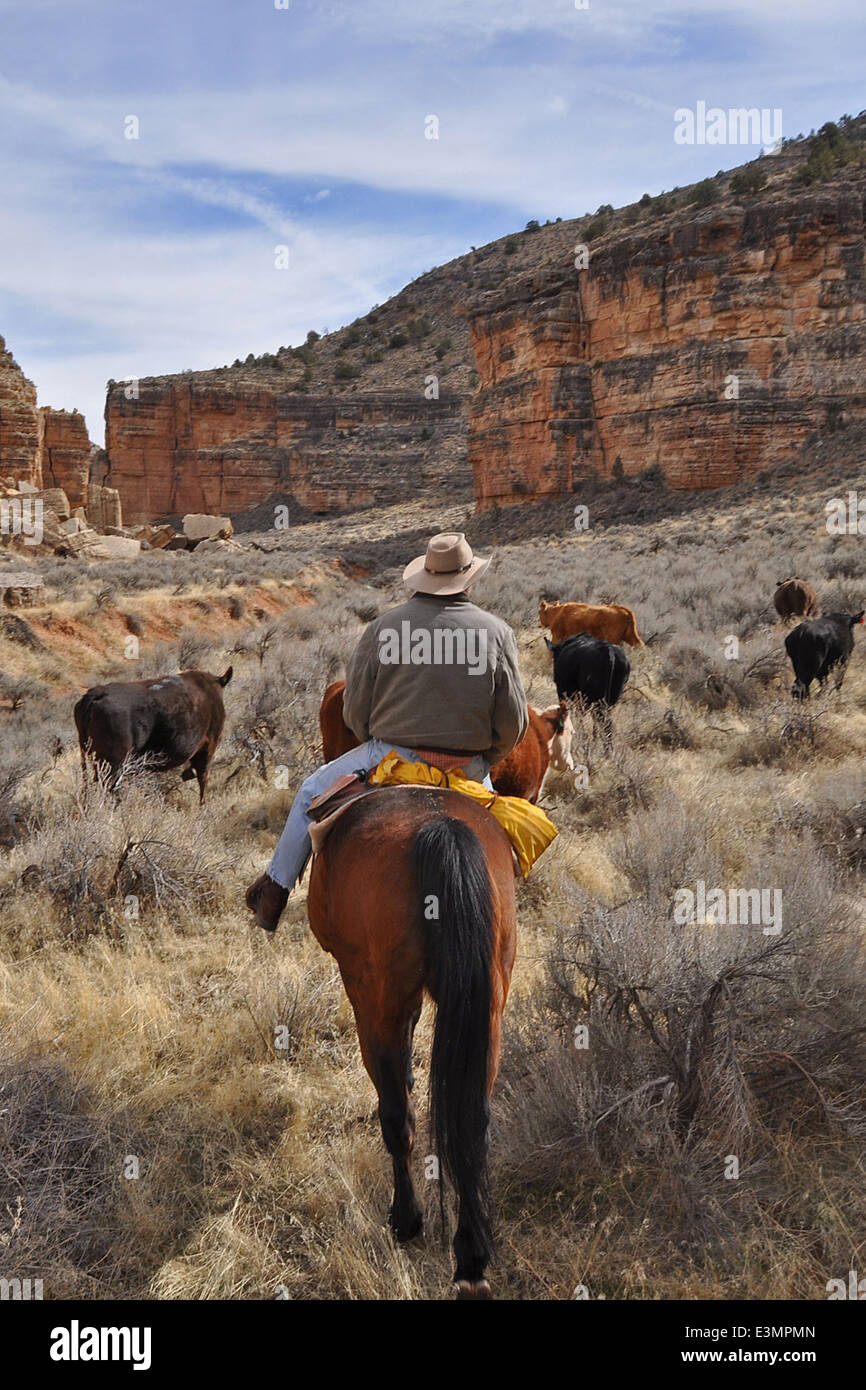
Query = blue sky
x=304 y=127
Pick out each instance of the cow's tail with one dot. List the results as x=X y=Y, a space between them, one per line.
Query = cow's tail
x=611 y=674
x=451 y=872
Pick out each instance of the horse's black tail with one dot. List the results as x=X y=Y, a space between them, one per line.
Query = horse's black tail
x=456 y=908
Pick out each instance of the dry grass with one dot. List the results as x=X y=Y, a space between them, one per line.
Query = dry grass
x=139 y=1012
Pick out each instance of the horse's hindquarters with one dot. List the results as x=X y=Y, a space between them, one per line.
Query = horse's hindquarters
x=413 y=890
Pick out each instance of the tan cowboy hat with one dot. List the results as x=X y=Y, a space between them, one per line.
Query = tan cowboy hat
x=449 y=566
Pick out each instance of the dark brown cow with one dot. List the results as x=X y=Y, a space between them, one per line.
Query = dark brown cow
x=794 y=598
x=546 y=743
x=176 y=719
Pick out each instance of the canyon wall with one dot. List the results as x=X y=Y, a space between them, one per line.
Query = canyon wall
x=64 y=452
x=20 y=425
x=38 y=445
x=704 y=343
x=191 y=443
x=708 y=347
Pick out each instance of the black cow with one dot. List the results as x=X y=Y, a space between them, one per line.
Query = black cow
x=176 y=719
x=593 y=671
x=819 y=644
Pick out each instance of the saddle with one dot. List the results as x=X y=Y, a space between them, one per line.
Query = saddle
x=326 y=808
x=338 y=795
x=351 y=785
x=528 y=828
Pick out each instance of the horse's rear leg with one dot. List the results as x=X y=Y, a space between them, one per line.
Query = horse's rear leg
x=388 y=1060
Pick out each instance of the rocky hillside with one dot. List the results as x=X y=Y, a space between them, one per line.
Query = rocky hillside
x=706 y=334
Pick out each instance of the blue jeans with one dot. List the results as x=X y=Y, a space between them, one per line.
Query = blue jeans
x=294 y=848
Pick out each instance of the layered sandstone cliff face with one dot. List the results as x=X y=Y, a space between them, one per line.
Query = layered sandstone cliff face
x=20 y=426
x=708 y=346
x=192 y=444
x=64 y=452
x=38 y=445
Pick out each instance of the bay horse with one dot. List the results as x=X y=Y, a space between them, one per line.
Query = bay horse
x=546 y=743
x=413 y=892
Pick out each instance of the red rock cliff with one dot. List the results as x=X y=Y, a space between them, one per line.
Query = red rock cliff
x=38 y=445
x=625 y=365
x=199 y=443
x=19 y=423
x=64 y=452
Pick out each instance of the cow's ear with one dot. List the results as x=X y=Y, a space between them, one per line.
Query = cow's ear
x=224 y=679
x=860 y=615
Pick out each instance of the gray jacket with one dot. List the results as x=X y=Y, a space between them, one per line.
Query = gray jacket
x=437 y=673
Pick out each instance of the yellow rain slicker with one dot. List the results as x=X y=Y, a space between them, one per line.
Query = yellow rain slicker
x=528 y=828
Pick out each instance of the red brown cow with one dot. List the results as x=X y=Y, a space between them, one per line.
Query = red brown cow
x=546 y=743
x=794 y=598
x=609 y=622
x=176 y=719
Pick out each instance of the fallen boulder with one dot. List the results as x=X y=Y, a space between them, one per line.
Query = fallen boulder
x=102 y=505
x=77 y=541
x=54 y=499
x=109 y=548
x=52 y=528
x=162 y=537
x=22 y=590
x=207 y=547
x=155 y=537
x=199 y=527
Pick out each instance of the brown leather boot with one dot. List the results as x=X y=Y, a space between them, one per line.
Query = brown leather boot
x=266 y=899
